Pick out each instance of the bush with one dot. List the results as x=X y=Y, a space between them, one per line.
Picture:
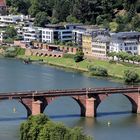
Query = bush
x=13 y=51
x=20 y=51
x=97 y=71
x=9 y=54
x=131 y=77
x=79 y=56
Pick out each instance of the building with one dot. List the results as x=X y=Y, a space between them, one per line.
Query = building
x=31 y=34
x=12 y=19
x=125 y=41
x=2 y=7
x=79 y=31
x=2 y=35
x=87 y=44
x=100 y=46
x=62 y=33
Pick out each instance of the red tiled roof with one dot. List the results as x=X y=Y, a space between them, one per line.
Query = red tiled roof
x=2 y=3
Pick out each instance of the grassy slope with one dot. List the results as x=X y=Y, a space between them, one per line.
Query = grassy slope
x=115 y=70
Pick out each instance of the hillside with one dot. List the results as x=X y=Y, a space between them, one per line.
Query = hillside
x=119 y=15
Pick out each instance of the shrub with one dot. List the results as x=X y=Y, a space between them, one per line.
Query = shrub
x=79 y=56
x=13 y=51
x=131 y=77
x=20 y=51
x=97 y=71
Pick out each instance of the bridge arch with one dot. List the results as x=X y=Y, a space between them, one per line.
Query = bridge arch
x=132 y=98
x=12 y=108
x=80 y=103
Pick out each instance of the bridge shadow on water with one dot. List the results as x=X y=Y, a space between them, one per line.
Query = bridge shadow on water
x=13 y=119
x=64 y=116
x=101 y=114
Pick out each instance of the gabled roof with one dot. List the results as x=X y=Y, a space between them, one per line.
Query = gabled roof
x=2 y=3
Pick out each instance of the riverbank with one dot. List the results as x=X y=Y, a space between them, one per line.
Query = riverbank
x=115 y=70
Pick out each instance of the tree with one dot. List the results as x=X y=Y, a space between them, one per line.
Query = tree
x=40 y=6
x=21 y=5
x=10 y=32
x=113 y=26
x=112 y=54
x=41 y=128
x=61 y=10
x=123 y=55
x=41 y=19
x=131 y=77
x=79 y=56
x=135 y=23
x=133 y=58
x=72 y=19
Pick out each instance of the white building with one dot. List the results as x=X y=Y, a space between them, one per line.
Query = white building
x=31 y=34
x=2 y=34
x=57 y=33
x=125 y=41
x=11 y=19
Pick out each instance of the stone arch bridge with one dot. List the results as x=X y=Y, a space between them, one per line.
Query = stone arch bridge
x=88 y=99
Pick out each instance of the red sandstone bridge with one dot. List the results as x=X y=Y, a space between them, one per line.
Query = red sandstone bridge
x=88 y=98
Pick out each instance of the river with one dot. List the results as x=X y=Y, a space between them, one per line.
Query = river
x=116 y=109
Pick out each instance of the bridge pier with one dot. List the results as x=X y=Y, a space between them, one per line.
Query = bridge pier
x=90 y=107
x=138 y=104
x=36 y=107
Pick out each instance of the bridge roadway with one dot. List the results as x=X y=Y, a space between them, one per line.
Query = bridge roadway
x=88 y=99
x=70 y=92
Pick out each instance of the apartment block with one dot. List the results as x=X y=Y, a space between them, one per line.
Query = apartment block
x=125 y=41
x=62 y=33
x=93 y=30
x=31 y=34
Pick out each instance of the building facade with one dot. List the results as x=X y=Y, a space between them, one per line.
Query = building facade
x=100 y=46
x=125 y=41
x=31 y=34
x=79 y=31
x=11 y=19
x=87 y=44
x=62 y=33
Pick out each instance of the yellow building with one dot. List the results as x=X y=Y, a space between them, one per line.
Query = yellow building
x=87 y=44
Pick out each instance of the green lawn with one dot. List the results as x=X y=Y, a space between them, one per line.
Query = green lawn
x=115 y=70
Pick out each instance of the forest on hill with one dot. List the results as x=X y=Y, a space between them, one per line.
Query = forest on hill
x=118 y=15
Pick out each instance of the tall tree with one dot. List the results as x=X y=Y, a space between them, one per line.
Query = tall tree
x=41 y=19
x=61 y=10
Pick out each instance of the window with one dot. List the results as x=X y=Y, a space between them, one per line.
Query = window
x=126 y=48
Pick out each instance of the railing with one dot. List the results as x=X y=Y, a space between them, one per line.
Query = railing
x=71 y=92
